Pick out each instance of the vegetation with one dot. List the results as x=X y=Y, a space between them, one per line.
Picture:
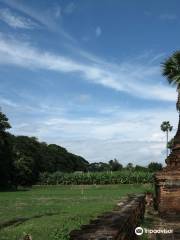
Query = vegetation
x=22 y=158
x=120 y=177
x=6 y=165
x=171 y=70
x=127 y=175
x=166 y=127
x=24 y=161
x=154 y=167
x=170 y=144
x=50 y=212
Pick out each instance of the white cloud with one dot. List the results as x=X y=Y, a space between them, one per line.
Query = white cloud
x=57 y=11
x=163 y=16
x=7 y=102
x=98 y=31
x=69 y=8
x=130 y=77
x=83 y=98
x=41 y=18
x=168 y=16
x=16 y=21
x=130 y=136
x=99 y=138
x=136 y=152
x=85 y=38
x=44 y=18
x=124 y=126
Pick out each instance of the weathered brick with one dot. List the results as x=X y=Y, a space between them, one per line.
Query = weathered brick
x=167 y=183
x=116 y=225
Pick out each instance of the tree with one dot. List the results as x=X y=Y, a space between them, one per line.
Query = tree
x=23 y=171
x=6 y=166
x=170 y=144
x=4 y=124
x=140 y=168
x=115 y=165
x=34 y=157
x=98 y=167
x=23 y=158
x=154 y=166
x=171 y=70
x=129 y=166
x=166 y=127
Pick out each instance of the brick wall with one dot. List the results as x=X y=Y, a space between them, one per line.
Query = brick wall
x=118 y=224
x=168 y=194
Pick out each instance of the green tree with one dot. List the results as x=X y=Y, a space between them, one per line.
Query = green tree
x=140 y=168
x=171 y=70
x=170 y=144
x=34 y=157
x=166 y=127
x=154 y=166
x=98 y=167
x=129 y=166
x=4 y=124
x=23 y=158
x=24 y=171
x=6 y=166
x=115 y=165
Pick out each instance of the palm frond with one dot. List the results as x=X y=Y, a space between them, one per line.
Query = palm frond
x=171 y=68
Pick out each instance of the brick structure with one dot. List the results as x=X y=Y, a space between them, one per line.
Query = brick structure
x=167 y=183
x=116 y=225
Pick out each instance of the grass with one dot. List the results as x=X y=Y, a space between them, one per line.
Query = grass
x=50 y=212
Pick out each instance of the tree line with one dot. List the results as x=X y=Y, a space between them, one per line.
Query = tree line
x=114 y=165
x=24 y=159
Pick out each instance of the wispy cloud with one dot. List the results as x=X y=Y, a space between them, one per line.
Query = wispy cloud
x=57 y=11
x=136 y=152
x=98 y=31
x=131 y=135
x=16 y=21
x=101 y=138
x=69 y=8
x=130 y=77
x=136 y=137
x=7 y=102
x=163 y=16
x=168 y=16
x=83 y=98
x=34 y=14
x=43 y=18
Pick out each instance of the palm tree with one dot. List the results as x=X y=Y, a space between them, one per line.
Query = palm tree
x=166 y=127
x=170 y=144
x=171 y=70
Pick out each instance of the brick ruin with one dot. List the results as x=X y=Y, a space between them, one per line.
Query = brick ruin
x=167 y=183
x=118 y=224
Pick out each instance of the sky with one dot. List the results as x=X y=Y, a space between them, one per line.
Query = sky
x=87 y=74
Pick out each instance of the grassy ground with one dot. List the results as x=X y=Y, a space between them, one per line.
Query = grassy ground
x=50 y=212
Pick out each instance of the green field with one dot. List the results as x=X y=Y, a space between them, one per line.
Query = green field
x=50 y=212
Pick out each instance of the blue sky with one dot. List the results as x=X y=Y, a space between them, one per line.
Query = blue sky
x=86 y=74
